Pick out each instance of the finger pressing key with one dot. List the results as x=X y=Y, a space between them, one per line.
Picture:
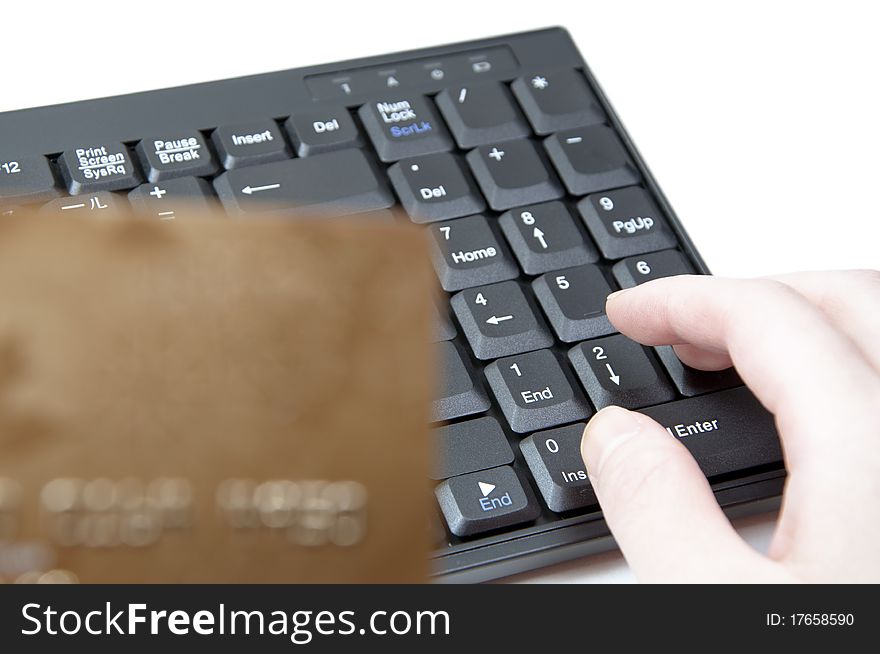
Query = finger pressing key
x=784 y=348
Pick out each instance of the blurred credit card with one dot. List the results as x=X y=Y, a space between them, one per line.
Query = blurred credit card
x=213 y=401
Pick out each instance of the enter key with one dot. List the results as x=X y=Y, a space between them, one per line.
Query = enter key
x=725 y=432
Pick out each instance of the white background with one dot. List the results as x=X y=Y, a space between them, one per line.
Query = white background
x=760 y=120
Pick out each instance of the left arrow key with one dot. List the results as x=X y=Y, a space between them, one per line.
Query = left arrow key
x=335 y=183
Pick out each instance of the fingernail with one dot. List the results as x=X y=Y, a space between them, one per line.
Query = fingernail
x=616 y=294
x=606 y=431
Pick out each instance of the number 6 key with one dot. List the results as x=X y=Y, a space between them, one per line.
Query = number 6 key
x=638 y=270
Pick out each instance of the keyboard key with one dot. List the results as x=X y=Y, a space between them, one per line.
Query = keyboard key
x=466 y=252
x=342 y=182
x=616 y=370
x=175 y=155
x=557 y=100
x=458 y=394
x=534 y=392
x=404 y=126
x=638 y=270
x=435 y=187
x=591 y=159
x=248 y=144
x=173 y=199
x=498 y=320
x=469 y=446
x=323 y=131
x=690 y=381
x=92 y=204
x=26 y=179
x=444 y=330
x=726 y=432
x=554 y=457
x=513 y=174
x=545 y=237
x=574 y=301
x=625 y=222
x=100 y=167
x=482 y=501
x=481 y=113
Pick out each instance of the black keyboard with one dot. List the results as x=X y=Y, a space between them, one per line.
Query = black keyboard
x=538 y=206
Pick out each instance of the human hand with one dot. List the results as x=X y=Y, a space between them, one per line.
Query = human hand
x=808 y=346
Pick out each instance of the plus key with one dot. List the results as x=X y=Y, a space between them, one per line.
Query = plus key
x=512 y=174
x=172 y=199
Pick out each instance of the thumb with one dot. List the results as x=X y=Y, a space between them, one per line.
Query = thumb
x=658 y=503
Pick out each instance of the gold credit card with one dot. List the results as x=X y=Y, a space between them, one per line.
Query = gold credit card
x=213 y=400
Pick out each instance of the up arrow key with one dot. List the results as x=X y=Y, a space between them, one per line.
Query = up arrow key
x=538 y=234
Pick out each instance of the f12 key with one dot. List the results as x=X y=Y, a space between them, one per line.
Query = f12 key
x=26 y=179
